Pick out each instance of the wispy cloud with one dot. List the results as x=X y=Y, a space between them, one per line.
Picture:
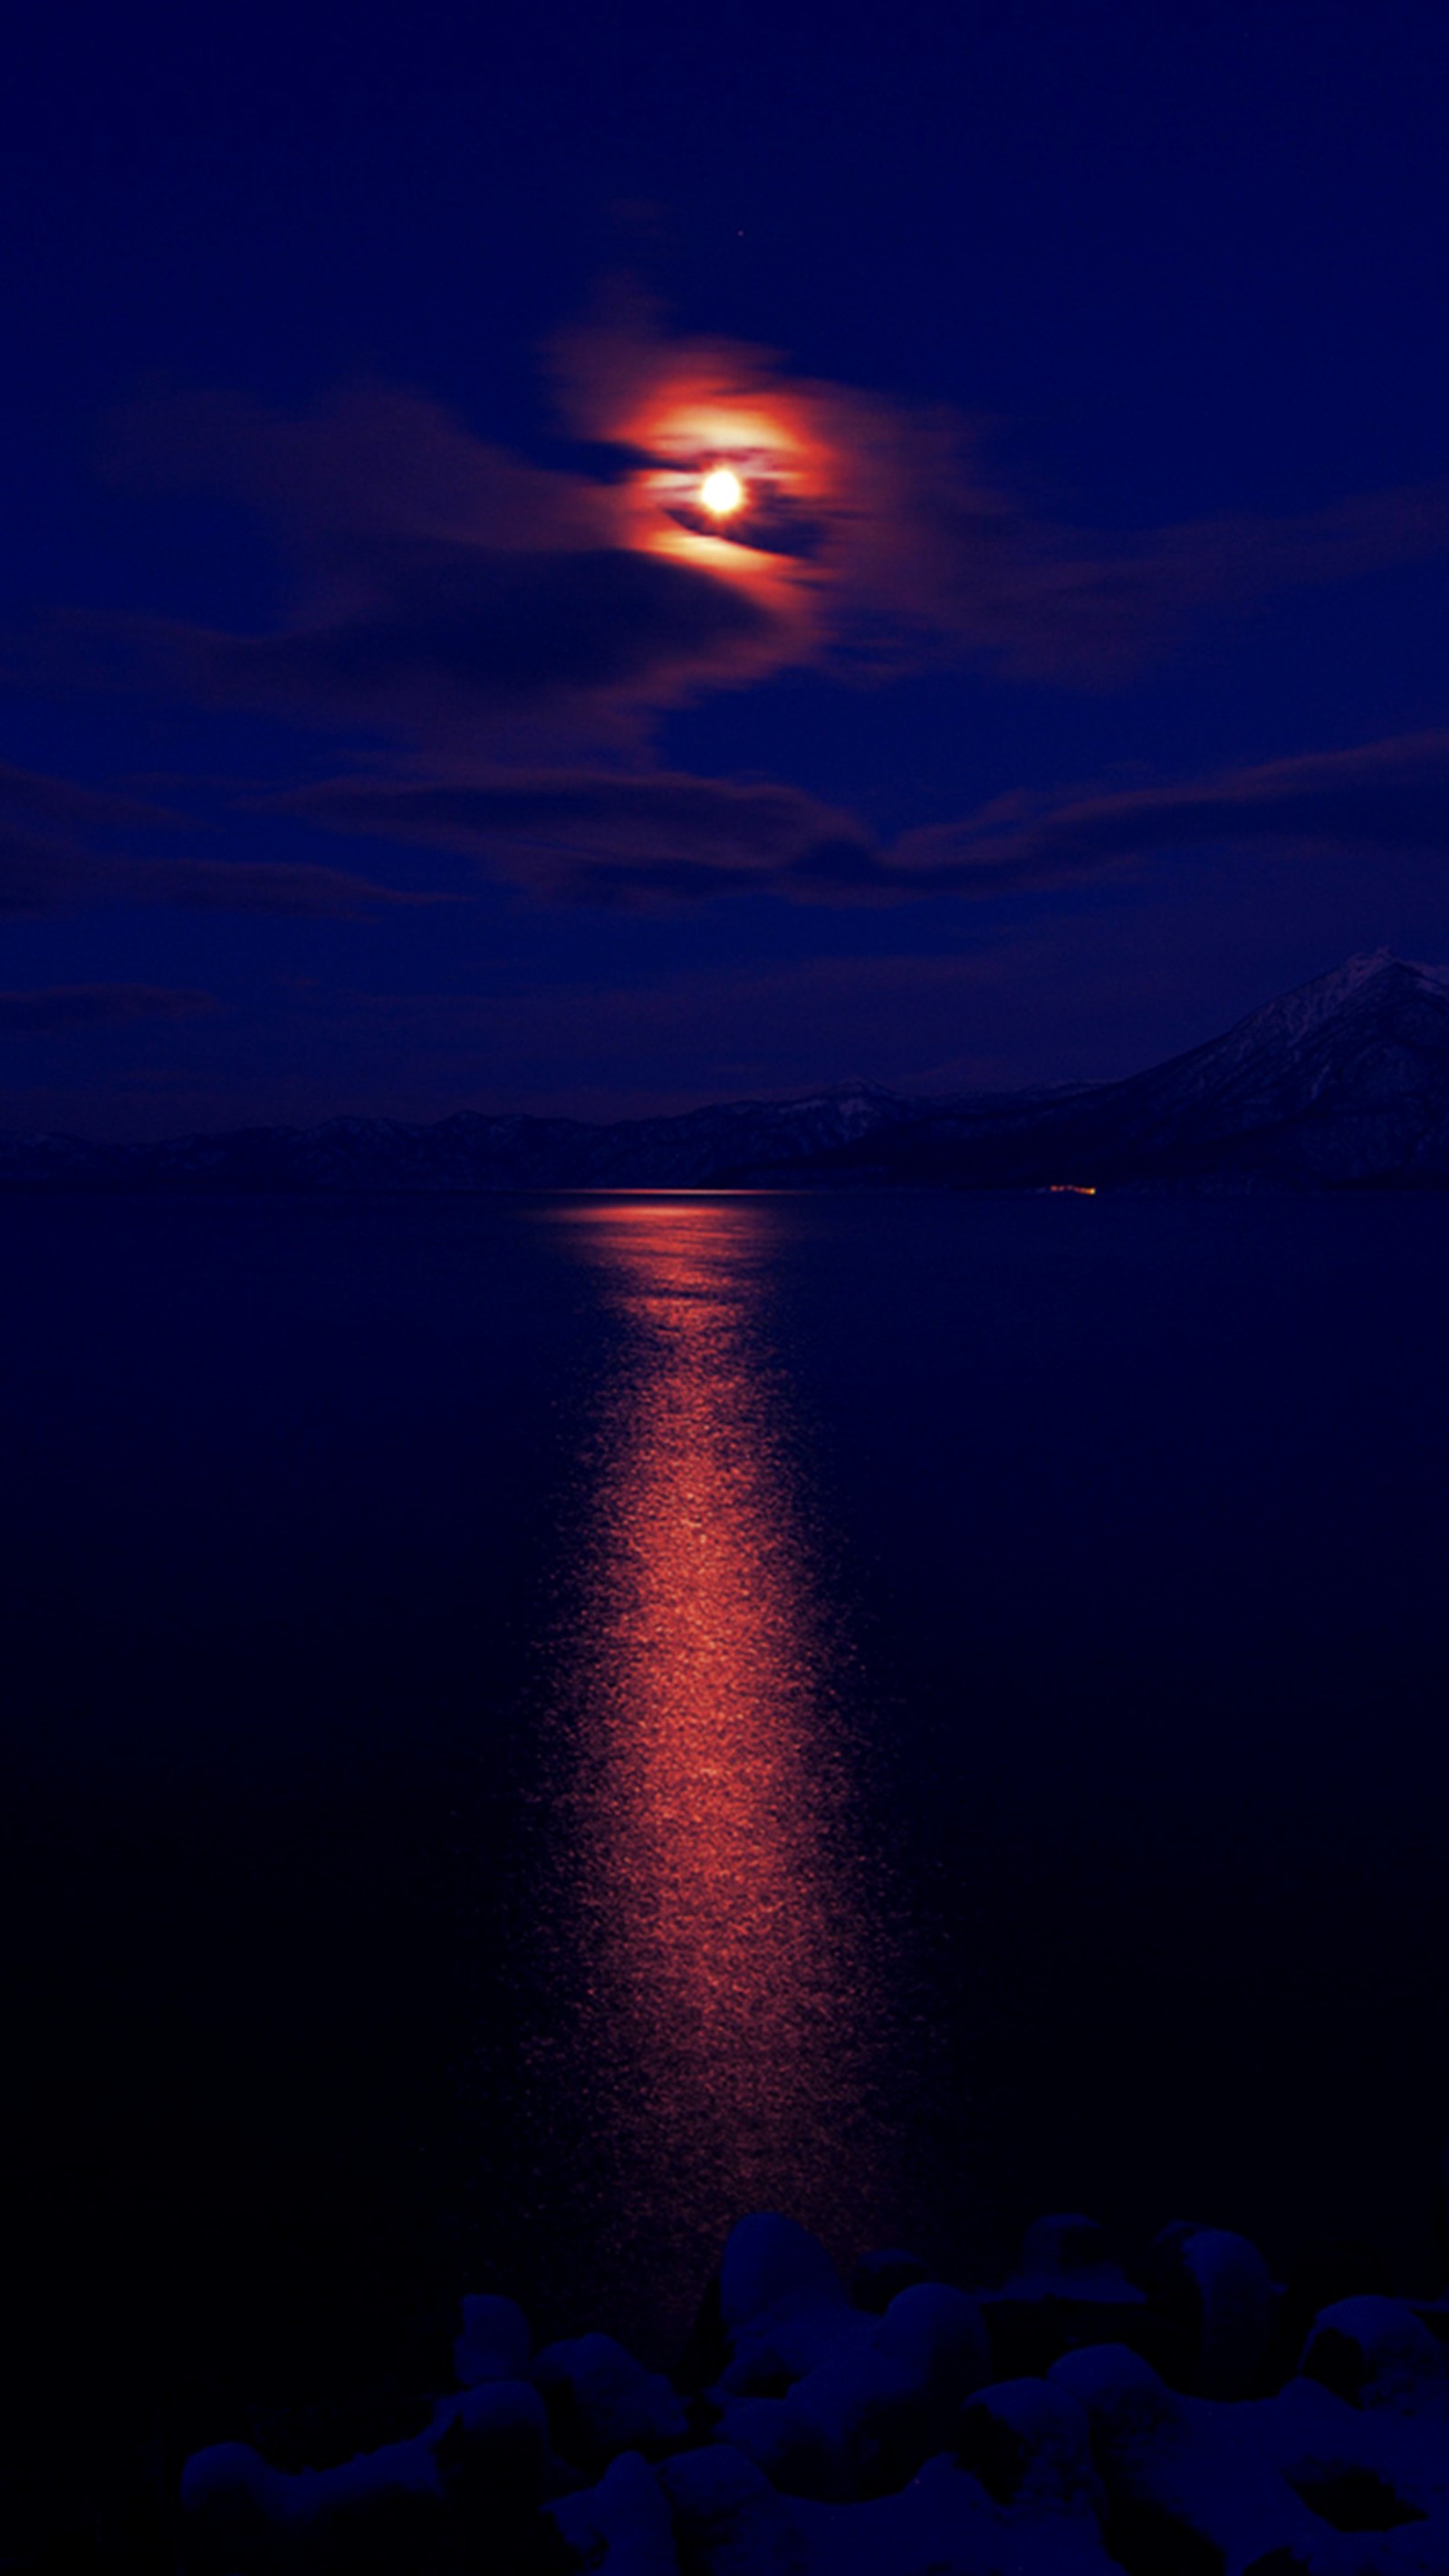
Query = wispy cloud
x=481 y=607
x=1377 y=797
x=282 y=886
x=907 y=547
x=55 y=1008
x=602 y=837
x=443 y=633
x=514 y=634
x=48 y=871
x=30 y=796
x=605 y=837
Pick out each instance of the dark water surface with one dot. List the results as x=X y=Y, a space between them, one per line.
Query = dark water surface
x=537 y=1725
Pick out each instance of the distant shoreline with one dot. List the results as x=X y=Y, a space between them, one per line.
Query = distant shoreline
x=1340 y=1086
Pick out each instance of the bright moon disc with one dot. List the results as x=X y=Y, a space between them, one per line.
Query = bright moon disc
x=721 y=492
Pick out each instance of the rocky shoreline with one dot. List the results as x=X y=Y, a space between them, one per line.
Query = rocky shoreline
x=1186 y=2419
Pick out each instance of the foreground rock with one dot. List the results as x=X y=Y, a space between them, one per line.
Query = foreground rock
x=809 y=2432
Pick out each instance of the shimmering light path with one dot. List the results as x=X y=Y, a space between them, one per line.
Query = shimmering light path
x=726 y=1948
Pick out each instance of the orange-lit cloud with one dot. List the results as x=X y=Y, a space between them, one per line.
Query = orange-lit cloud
x=447 y=592
x=511 y=635
x=879 y=540
x=680 y=409
x=481 y=606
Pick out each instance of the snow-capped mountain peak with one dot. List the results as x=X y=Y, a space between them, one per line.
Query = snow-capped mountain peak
x=1342 y=1083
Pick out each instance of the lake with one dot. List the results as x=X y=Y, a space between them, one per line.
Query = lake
x=538 y=1725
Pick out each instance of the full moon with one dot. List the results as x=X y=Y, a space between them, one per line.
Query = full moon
x=721 y=492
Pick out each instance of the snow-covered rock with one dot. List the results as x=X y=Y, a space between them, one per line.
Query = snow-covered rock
x=621 y=2527
x=837 y=2442
x=877 y=2276
x=875 y=2405
x=1214 y=2288
x=729 y=2521
x=601 y=2401
x=781 y=2307
x=1273 y=2483
x=1067 y=2290
x=495 y=2342
x=476 y=2472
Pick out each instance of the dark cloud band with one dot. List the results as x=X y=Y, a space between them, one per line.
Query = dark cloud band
x=1383 y=796
x=494 y=628
x=592 y=836
x=56 y=1008
x=45 y=873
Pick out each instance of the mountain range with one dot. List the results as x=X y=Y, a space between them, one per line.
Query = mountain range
x=1340 y=1084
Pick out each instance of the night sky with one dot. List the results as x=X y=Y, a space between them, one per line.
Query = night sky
x=388 y=725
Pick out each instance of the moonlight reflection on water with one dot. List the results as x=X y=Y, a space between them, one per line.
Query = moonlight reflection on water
x=724 y=1947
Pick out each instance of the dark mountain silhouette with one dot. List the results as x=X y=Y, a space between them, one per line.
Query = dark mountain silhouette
x=1342 y=1084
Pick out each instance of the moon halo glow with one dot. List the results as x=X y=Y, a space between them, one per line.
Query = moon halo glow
x=721 y=492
